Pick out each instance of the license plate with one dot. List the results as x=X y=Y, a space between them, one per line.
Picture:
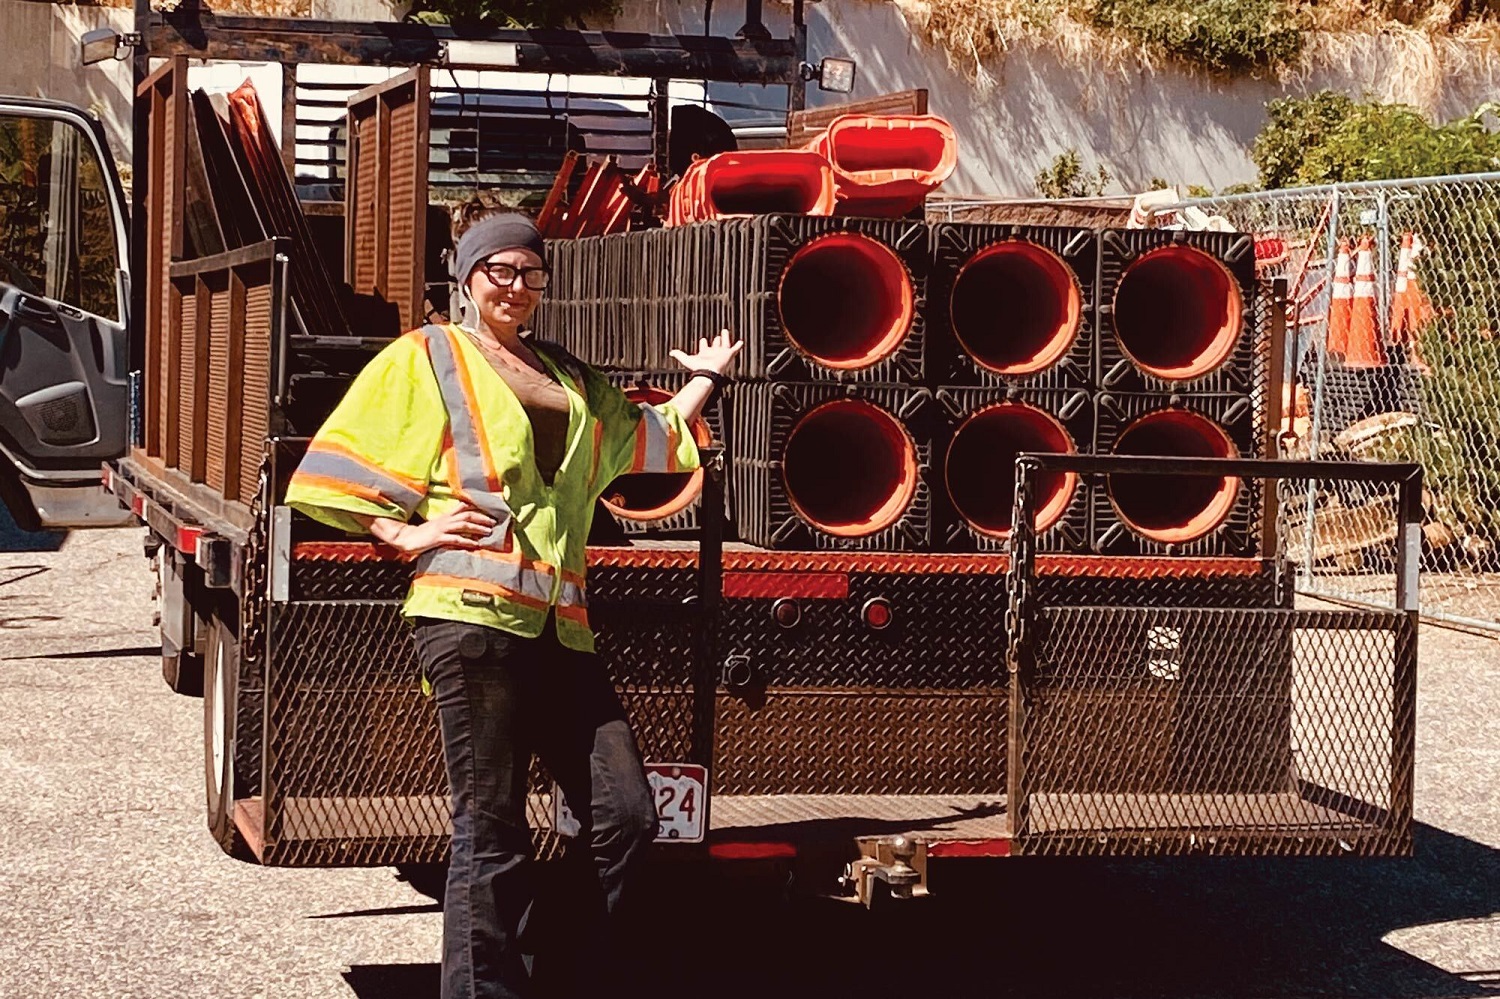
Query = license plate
x=680 y=791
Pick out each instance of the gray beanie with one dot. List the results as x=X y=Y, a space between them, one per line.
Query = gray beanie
x=492 y=234
x=488 y=236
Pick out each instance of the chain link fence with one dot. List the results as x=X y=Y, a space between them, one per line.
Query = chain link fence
x=1394 y=355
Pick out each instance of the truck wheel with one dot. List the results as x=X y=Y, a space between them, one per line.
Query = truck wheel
x=220 y=697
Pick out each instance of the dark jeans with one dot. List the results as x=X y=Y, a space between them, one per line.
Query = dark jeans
x=500 y=698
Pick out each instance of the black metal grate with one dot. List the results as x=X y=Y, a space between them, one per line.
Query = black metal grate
x=1243 y=729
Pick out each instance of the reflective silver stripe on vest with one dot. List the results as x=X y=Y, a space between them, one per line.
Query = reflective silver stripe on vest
x=658 y=433
x=331 y=464
x=533 y=584
x=572 y=595
x=465 y=429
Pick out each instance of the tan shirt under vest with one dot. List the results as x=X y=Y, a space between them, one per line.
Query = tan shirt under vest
x=546 y=405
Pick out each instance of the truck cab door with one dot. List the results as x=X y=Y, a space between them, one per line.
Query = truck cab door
x=64 y=357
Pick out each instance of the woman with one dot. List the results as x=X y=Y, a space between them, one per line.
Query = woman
x=501 y=445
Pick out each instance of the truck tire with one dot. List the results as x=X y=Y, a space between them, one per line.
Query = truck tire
x=220 y=697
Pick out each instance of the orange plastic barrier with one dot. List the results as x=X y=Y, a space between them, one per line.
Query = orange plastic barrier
x=886 y=165
x=875 y=448
x=753 y=182
x=980 y=470
x=1166 y=508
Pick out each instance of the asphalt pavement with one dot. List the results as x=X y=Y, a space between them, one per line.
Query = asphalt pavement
x=111 y=886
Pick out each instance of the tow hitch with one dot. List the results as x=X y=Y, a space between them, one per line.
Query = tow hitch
x=895 y=866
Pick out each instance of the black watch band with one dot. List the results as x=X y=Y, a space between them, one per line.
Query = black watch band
x=719 y=379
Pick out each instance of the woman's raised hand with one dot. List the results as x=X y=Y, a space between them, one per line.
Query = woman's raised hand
x=717 y=354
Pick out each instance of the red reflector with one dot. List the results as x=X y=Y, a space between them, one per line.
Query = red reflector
x=786 y=612
x=969 y=848
x=138 y=506
x=769 y=585
x=752 y=851
x=187 y=540
x=877 y=613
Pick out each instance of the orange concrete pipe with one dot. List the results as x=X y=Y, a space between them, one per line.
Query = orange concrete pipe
x=850 y=468
x=981 y=467
x=646 y=497
x=1177 y=312
x=1173 y=509
x=1015 y=308
x=846 y=300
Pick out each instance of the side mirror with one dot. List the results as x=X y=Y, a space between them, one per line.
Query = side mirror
x=833 y=75
x=101 y=44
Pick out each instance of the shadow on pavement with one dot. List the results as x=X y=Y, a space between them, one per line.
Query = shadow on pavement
x=1150 y=928
x=14 y=539
x=140 y=650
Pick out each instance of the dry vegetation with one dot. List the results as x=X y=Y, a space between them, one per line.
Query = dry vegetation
x=1429 y=38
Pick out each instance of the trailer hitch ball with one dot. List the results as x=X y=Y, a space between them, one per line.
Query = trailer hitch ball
x=901 y=875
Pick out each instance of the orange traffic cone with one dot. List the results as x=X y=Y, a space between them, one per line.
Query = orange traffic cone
x=1364 y=350
x=1398 y=296
x=1340 y=302
x=1410 y=309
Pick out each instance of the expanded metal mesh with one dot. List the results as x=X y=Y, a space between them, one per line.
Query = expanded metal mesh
x=1152 y=730
x=1251 y=727
x=353 y=769
x=1423 y=384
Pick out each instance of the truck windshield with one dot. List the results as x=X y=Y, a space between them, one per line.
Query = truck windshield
x=57 y=237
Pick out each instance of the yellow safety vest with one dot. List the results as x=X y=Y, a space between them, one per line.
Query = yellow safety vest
x=428 y=425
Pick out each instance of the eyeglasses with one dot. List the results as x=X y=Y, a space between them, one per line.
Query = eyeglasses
x=504 y=275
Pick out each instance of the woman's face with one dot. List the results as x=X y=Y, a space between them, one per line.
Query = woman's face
x=507 y=306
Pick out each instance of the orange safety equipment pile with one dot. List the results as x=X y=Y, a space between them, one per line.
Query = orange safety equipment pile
x=602 y=205
x=753 y=182
x=886 y=165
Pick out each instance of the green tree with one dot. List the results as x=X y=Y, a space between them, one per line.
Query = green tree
x=1294 y=125
x=1330 y=138
x=1066 y=178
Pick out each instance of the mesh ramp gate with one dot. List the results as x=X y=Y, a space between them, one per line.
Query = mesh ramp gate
x=1237 y=730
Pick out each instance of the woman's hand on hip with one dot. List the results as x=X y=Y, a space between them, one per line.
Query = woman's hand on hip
x=717 y=354
x=465 y=527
